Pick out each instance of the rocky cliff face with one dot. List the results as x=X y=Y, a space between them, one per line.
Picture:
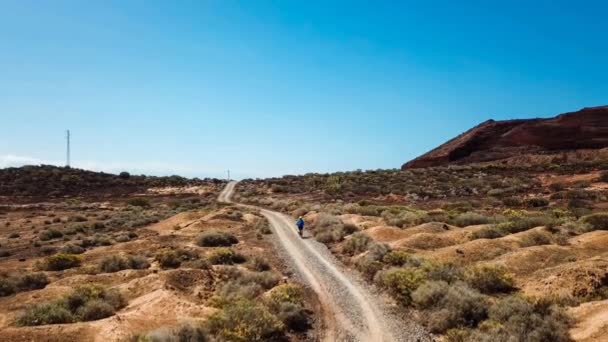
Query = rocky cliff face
x=494 y=140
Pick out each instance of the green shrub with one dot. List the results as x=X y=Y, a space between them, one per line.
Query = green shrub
x=45 y=313
x=245 y=321
x=95 y=309
x=518 y=319
x=216 y=239
x=225 y=256
x=59 y=262
x=259 y=264
x=174 y=258
x=358 y=243
x=400 y=258
x=139 y=202
x=401 y=282
x=470 y=219
x=50 y=234
x=117 y=263
x=449 y=306
x=536 y=202
x=7 y=287
x=598 y=221
x=72 y=249
x=32 y=281
x=489 y=279
x=349 y=228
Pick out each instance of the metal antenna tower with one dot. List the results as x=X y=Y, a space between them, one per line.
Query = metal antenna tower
x=68 y=148
x=228 y=175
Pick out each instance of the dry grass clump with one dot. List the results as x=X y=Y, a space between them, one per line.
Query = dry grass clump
x=85 y=303
x=216 y=239
x=117 y=263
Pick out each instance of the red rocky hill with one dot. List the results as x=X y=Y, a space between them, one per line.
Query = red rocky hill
x=494 y=140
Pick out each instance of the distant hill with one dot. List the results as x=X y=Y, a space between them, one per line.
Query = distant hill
x=52 y=181
x=495 y=140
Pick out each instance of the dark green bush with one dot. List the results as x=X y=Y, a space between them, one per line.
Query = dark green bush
x=139 y=202
x=50 y=234
x=32 y=281
x=598 y=221
x=216 y=239
x=225 y=256
x=59 y=262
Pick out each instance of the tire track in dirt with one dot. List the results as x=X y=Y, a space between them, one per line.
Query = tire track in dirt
x=350 y=311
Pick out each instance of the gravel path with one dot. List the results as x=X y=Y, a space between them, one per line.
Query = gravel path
x=351 y=312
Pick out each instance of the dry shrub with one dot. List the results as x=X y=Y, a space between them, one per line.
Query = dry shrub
x=245 y=320
x=85 y=303
x=59 y=262
x=225 y=256
x=358 y=243
x=489 y=279
x=535 y=238
x=449 y=306
x=518 y=319
x=216 y=239
x=598 y=221
x=116 y=263
x=401 y=282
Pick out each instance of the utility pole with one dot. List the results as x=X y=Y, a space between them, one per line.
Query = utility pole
x=228 y=175
x=68 y=148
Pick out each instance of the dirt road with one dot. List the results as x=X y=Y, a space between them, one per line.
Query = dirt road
x=350 y=311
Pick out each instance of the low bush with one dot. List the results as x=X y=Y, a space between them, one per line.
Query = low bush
x=85 y=303
x=358 y=243
x=225 y=256
x=489 y=279
x=449 y=306
x=245 y=321
x=519 y=319
x=183 y=333
x=72 y=249
x=598 y=221
x=216 y=239
x=536 y=202
x=61 y=261
x=7 y=287
x=117 y=263
x=174 y=258
x=259 y=264
x=535 y=238
x=139 y=202
x=401 y=282
x=50 y=234
x=31 y=281
x=400 y=258
x=470 y=219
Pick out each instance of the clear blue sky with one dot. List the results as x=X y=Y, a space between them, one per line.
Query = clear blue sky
x=274 y=87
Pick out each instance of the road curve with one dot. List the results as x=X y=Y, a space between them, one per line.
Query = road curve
x=350 y=311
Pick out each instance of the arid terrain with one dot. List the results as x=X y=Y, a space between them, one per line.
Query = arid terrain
x=157 y=260
x=514 y=249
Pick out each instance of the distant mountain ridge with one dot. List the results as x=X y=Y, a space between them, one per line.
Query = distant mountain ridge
x=495 y=140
